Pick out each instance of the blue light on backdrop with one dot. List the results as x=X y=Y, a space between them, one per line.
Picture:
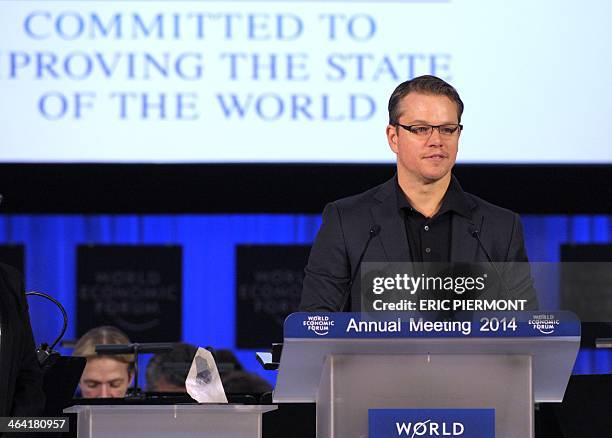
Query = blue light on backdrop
x=208 y=243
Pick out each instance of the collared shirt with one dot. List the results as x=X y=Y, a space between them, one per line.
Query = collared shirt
x=429 y=239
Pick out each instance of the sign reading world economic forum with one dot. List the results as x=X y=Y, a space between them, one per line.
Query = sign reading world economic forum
x=412 y=423
x=421 y=325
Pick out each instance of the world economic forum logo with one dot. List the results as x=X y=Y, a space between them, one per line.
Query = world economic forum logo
x=318 y=324
x=544 y=323
x=429 y=428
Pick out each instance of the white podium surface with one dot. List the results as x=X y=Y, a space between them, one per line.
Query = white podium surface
x=181 y=421
x=552 y=360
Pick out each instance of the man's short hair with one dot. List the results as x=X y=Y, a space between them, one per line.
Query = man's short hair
x=426 y=84
x=172 y=366
x=104 y=335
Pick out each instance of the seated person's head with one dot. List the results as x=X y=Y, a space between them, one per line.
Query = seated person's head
x=243 y=382
x=166 y=372
x=227 y=362
x=104 y=376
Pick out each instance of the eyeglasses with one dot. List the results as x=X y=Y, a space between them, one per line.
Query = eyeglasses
x=426 y=130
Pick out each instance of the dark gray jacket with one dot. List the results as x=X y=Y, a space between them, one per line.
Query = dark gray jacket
x=21 y=392
x=346 y=228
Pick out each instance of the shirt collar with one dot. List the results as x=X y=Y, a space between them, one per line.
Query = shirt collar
x=454 y=199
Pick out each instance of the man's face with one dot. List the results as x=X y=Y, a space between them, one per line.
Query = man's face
x=105 y=377
x=424 y=159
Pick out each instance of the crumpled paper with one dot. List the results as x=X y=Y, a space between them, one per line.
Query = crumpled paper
x=203 y=381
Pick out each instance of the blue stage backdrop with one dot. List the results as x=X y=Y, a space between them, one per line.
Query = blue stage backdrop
x=208 y=243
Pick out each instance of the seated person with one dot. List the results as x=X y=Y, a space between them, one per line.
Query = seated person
x=227 y=362
x=243 y=382
x=104 y=376
x=235 y=379
x=167 y=372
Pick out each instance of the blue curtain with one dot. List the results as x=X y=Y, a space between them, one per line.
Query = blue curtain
x=208 y=243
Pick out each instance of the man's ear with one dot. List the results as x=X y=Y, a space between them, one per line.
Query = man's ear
x=392 y=138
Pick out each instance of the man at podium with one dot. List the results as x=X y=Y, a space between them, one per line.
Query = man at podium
x=420 y=215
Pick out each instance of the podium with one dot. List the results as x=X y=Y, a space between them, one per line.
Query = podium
x=349 y=363
x=181 y=421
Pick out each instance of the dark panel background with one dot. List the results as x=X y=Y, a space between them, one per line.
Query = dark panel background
x=13 y=255
x=585 y=288
x=281 y=188
x=268 y=288
x=136 y=288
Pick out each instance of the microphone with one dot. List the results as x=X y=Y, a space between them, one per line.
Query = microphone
x=374 y=230
x=44 y=353
x=134 y=348
x=476 y=234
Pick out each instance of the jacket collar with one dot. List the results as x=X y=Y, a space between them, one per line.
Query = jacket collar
x=386 y=214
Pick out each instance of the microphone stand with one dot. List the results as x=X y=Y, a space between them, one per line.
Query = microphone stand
x=45 y=354
x=374 y=230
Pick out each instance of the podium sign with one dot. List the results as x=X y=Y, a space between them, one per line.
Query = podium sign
x=351 y=363
x=407 y=325
x=472 y=423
